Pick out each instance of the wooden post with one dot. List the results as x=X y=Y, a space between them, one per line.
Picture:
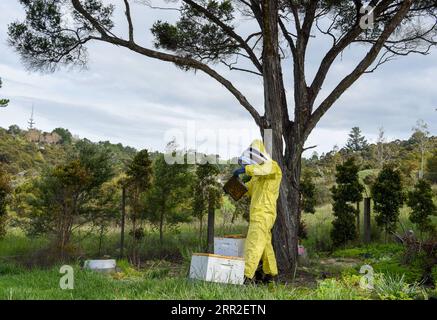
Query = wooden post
x=211 y=220
x=358 y=221
x=367 y=237
x=123 y=219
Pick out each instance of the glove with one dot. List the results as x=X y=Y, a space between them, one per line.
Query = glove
x=239 y=171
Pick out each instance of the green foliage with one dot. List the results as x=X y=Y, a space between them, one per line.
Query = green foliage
x=422 y=206
x=207 y=190
x=168 y=201
x=65 y=195
x=3 y=102
x=138 y=181
x=65 y=134
x=356 y=142
x=348 y=190
x=431 y=166
x=308 y=193
x=388 y=197
x=333 y=289
x=374 y=251
x=139 y=171
x=394 y=287
x=5 y=190
x=44 y=41
x=194 y=35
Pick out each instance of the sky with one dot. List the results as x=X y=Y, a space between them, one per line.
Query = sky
x=127 y=98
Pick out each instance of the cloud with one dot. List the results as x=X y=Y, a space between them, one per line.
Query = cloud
x=128 y=98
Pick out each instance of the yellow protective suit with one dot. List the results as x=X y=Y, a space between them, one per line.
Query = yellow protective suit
x=263 y=189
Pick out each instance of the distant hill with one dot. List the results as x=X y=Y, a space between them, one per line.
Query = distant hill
x=26 y=153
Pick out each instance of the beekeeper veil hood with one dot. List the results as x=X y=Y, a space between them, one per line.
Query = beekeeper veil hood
x=255 y=154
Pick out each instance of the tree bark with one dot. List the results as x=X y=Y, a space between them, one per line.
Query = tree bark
x=285 y=230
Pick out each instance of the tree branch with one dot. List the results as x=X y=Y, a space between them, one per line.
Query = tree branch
x=287 y=37
x=228 y=30
x=183 y=61
x=336 y=49
x=129 y=20
x=79 y=8
x=360 y=68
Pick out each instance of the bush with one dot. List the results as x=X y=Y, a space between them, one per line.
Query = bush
x=388 y=198
x=5 y=190
x=394 y=287
x=422 y=206
x=348 y=190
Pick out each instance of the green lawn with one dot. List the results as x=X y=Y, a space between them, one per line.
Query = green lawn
x=16 y=283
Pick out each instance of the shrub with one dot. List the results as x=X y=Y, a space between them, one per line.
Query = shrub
x=422 y=206
x=394 y=287
x=5 y=190
x=348 y=190
x=387 y=197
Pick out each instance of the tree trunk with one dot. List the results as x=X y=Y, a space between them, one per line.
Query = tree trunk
x=367 y=229
x=285 y=230
x=200 y=228
x=123 y=219
x=161 y=228
x=102 y=228
x=211 y=220
x=358 y=221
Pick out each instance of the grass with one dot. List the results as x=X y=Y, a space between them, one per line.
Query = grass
x=17 y=244
x=20 y=284
x=334 y=273
x=44 y=284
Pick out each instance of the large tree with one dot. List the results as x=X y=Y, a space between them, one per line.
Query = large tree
x=209 y=32
x=139 y=176
x=66 y=196
x=356 y=142
x=168 y=201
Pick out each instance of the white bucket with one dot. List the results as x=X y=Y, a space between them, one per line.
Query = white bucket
x=107 y=265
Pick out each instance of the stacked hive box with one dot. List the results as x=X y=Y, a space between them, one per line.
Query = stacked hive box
x=226 y=265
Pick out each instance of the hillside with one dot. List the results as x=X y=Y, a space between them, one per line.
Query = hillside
x=25 y=153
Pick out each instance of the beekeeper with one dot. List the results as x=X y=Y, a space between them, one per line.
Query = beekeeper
x=263 y=188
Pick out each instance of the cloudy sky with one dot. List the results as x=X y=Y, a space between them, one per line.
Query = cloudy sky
x=124 y=97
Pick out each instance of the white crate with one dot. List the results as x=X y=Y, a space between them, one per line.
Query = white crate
x=216 y=268
x=229 y=246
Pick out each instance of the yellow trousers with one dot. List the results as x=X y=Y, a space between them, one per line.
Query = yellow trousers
x=259 y=247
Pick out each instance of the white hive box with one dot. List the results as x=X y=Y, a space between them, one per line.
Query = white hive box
x=229 y=245
x=217 y=268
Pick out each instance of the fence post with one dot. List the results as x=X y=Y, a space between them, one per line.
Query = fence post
x=211 y=221
x=123 y=218
x=367 y=209
x=358 y=221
